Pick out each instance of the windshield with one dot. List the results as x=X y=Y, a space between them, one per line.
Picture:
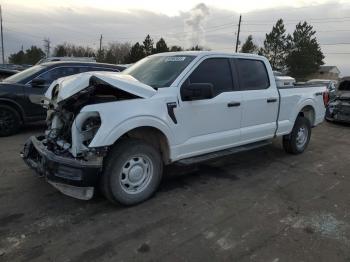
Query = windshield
x=16 y=78
x=159 y=71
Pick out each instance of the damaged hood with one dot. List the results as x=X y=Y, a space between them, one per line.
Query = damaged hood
x=344 y=94
x=70 y=85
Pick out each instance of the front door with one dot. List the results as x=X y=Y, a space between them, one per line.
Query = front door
x=212 y=124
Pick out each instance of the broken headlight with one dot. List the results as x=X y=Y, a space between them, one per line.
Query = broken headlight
x=89 y=128
x=84 y=128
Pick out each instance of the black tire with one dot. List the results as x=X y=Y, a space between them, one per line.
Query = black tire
x=10 y=121
x=290 y=142
x=128 y=151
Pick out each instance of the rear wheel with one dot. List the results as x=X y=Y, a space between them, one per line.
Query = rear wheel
x=132 y=173
x=297 y=141
x=9 y=121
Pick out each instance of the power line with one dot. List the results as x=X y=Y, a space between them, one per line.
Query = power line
x=313 y=22
x=306 y=19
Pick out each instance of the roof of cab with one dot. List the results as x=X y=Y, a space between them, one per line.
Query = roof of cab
x=206 y=53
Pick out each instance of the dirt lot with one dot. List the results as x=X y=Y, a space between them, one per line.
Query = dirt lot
x=262 y=205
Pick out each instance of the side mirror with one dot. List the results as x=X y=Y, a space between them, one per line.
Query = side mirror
x=197 y=91
x=38 y=82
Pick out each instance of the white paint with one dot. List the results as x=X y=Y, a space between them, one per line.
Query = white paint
x=203 y=126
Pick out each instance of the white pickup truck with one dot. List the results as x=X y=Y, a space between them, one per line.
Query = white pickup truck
x=116 y=131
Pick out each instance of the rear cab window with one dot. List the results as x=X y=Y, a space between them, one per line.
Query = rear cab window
x=252 y=74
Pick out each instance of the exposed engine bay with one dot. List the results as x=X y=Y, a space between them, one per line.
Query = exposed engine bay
x=69 y=131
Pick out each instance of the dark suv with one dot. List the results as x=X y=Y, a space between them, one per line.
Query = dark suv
x=22 y=93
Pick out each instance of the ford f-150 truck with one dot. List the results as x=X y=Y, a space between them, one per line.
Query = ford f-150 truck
x=116 y=131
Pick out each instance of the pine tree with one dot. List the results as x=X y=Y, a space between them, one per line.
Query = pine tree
x=196 y=48
x=176 y=48
x=136 y=53
x=249 y=46
x=305 y=56
x=148 y=45
x=31 y=56
x=161 y=46
x=275 y=46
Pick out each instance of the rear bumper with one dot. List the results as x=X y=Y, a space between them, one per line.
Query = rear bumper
x=73 y=177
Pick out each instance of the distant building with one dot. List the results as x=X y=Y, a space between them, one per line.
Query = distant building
x=326 y=72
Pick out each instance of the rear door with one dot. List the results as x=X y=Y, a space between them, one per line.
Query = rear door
x=208 y=125
x=259 y=100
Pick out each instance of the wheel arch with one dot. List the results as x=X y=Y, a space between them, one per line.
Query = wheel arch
x=152 y=136
x=308 y=111
x=150 y=129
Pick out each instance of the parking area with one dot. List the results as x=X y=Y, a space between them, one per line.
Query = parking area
x=263 y=205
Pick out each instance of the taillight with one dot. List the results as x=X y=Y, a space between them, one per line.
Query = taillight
x=325 y=98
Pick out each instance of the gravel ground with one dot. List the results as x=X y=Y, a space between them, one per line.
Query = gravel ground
x=263 y=205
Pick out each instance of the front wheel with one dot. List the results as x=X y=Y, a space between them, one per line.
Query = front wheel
x=9 y=121
x=132 y=173
x=297 y=141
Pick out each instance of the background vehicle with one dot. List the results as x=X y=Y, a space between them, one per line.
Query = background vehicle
x=5 y=72
x=330 y=84
x=119 y=130
x=67 y=59
x=21 y=94
x=338 y=108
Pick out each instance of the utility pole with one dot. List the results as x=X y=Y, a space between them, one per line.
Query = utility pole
x=2 y=38
x=239 y=30
x=101 y=44
x=47 y=46
x=99 y=54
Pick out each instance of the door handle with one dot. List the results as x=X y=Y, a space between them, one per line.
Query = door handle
x=233 y=104
x=272 y=100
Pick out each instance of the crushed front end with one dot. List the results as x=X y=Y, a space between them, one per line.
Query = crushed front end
x=62 y=155
x=73 y=177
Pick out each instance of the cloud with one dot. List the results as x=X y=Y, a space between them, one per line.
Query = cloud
x=215 y=27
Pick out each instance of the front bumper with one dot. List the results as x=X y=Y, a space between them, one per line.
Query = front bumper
x=338 y=115
x=73 y=177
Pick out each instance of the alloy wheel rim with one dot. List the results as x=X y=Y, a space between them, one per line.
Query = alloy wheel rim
x=302 y=136
x=136 y=174
x=6 y=120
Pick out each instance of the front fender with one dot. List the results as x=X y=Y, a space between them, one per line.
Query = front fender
x=108 y=135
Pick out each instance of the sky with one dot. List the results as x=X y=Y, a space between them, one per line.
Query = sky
x=211 y=23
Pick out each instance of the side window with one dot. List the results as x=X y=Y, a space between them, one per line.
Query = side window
x=103 y=69
x=252 y=74
x=58 y=72
x=84 y=69
x=216 y=71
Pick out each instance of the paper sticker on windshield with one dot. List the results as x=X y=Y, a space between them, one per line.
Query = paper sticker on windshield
x=175 y=59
